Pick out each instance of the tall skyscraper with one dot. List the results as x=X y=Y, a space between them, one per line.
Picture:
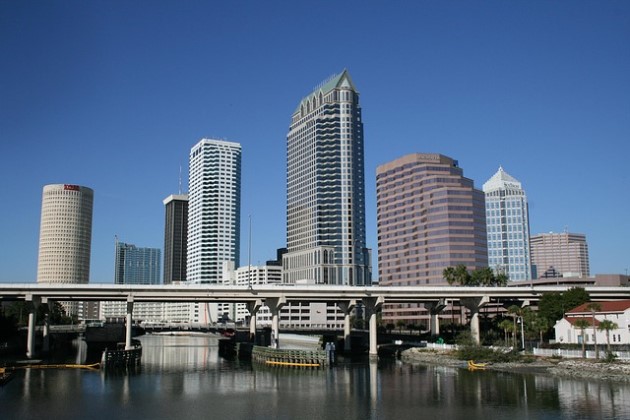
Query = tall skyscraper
x=65 y=235
x=429 y=217
x=325 y=188
x=560 y=254
x=214 y=209
x=507 y=220
x=136 y=265
x=175 y=238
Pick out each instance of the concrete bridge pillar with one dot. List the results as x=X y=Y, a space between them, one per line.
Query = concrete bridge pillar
x=434 y=309
x=129 y=323
x=346 y=307
x=372 y=305
x=473 y=304
x=253 y=308
x=275 y=304
x=32 y=320
x=46 y=330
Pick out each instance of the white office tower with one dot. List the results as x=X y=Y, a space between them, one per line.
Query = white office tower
x=507 y=221
x=214 y=212
x=65 y=235
x=214 y=204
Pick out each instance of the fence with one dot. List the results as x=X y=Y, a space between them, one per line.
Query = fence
x=568 y=354
x=577 y=354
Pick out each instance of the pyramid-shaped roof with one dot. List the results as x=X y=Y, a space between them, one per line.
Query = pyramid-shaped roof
x=501 y=180
x=342 y=79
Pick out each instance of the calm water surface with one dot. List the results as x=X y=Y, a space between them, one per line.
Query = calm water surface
x=183 y=377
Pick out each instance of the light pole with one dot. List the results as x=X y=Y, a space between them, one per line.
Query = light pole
x=521 y=321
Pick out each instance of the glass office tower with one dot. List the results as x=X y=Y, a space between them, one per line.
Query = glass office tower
x=325 y=188
x=507 y=219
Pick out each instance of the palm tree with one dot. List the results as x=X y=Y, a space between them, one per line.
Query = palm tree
x=539 y=324
x=516 y=312
x=458 y=275
x=582 y=324
x=607 y=325
x=506 y=326
x=594 y=307
x=501 y=279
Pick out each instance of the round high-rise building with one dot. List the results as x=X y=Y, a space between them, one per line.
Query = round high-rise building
x=65 y=234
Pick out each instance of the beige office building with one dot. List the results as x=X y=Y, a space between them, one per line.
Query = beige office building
x=559 y=255
x=65 y=235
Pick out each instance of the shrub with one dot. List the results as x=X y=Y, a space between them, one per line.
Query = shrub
x=486 y=354
x=610 y=357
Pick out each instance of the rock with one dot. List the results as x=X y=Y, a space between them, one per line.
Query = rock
x=583 y=369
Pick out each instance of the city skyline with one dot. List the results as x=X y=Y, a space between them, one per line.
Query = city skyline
x=539 y=88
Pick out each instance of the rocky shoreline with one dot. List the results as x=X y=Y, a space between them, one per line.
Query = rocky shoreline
x=573 y=368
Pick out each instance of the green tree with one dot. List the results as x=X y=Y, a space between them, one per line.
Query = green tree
x=516 y=312
x=507 y=327
x=482 y=277
x=607 y=325
x=400 y=324
x=501 y=279
x=582 y=324
x=551 y=306
x=574 y=297
x=457 y=275
x=554 y=305
x=594 y=307
x=539 y=325
x=460 y=276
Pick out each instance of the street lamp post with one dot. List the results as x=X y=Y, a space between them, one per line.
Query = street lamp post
x=522 y=334
x=520 y=321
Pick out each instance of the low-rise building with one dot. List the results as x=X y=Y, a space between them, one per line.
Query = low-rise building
x=616 y=311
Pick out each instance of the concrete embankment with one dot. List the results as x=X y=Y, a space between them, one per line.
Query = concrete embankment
x=581 y=368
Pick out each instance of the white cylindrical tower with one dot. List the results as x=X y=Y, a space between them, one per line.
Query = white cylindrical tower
x=65 y=234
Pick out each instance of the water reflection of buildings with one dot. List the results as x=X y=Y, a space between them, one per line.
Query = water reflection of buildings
x=591 y=399
x=183 y=375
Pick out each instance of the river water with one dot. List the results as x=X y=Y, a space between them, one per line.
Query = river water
x=183 y=377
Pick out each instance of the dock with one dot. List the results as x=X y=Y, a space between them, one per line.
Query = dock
x=121 y=357
x=289 y=357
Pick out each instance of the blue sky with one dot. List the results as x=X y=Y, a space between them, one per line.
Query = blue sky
x=113 y=94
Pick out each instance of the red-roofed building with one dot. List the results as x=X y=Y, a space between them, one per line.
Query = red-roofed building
x=615 y=311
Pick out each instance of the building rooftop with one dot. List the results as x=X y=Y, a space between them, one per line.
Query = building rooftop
x=610 y=306
x=335 y=81
x=501 y=180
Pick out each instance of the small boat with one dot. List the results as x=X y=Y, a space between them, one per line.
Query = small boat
x=473 y=365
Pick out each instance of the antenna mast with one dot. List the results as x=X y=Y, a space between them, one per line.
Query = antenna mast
x=180 y=179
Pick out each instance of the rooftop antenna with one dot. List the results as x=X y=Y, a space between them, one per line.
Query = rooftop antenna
x=180 y=179
x=249 y=258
